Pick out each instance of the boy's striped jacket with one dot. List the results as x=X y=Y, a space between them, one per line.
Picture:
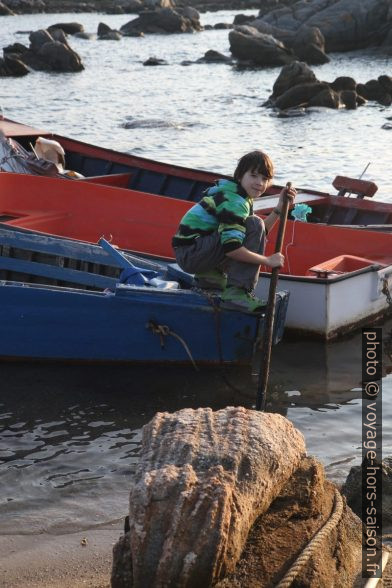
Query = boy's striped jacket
x=225 y=209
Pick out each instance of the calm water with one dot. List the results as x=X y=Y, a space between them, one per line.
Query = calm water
x=69 y=436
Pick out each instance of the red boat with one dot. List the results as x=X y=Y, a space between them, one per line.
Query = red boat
x=111 y=168
x=337 y=279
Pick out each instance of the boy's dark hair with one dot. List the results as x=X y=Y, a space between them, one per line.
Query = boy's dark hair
x=256 y=161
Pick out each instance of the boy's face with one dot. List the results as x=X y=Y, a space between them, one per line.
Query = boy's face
x=254 y=183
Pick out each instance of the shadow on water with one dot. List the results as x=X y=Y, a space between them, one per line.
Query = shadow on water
x=70 y=434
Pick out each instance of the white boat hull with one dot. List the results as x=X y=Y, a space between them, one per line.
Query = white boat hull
x=328 y=307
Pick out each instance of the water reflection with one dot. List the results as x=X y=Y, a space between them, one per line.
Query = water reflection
x=70 y=435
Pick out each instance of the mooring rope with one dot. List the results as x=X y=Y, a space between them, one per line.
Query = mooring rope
x=164 y=331
x=314 y=544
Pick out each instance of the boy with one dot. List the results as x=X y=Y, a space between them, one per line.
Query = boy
x=222 y=242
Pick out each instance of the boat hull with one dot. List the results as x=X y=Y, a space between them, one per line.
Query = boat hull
x=52 y=323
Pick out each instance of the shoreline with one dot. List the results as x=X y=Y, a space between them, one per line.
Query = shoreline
x=109 y=7
x=54 y=561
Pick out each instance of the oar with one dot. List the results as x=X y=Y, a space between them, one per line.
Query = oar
x=270 y=312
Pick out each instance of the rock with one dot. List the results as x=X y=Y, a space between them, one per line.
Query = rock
x=105 y=33
x=11 y=65
x=122 y=576
x=223 y=25
x=387 y=126
x=60 y=36
x=5 y=11
x=212 y=56
x=241 y=19
x=132 y=6
x=292 y=75
x=246 y=43
x=302 y=508
x=343 y=83
x=345 y=24
x=202 y=480
x=17 y=48
x=69 y=28
x=354 y=482
x=386 y=83
x=349 y=99
x=299 y=95
x=155 y=61
x=374 y=90
x=327 y=98
x=87 y=36
x=163 y=20
x=39 y=38
x=59 y=57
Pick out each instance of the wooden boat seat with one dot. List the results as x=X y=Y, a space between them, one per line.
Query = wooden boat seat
x=119 y=180
x=361 y=188
x=341 y=264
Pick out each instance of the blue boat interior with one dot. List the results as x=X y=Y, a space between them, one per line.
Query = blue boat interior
x=41 y=260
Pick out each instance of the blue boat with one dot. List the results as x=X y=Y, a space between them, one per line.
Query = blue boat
x=62 y=299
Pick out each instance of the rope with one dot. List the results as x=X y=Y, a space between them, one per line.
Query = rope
x=314 y=544
x=217 y=311
x=164 y=331
x=287 y=246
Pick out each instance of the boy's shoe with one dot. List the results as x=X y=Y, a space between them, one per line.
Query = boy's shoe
x=240 y=299
x=211 y=280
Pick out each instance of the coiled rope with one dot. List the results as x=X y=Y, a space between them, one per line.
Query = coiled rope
x=314 y=544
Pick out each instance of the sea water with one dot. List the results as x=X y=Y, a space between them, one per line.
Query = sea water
x=70 y=435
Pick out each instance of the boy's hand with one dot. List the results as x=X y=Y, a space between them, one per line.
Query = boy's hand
x=289 y=193
x=275 y=260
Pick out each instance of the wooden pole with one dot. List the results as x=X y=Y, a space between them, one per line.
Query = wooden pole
x=270 y=313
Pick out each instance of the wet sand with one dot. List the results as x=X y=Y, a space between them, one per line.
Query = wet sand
x=74 y=560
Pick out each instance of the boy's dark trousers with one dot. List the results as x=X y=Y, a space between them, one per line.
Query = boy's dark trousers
x=206 y=254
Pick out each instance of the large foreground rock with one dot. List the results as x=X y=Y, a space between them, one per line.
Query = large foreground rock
x=203 y=479
x=227 y=499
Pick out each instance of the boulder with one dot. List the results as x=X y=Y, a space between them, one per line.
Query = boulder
x=69 y=28
x=162 y=20
x=219 y=26
x=59 y=57
x=291 y=75
x=17 y=48
x=299 y=95
x=308 y=45
x=349 y=99
x=386 y=83
x=343 y=83
x=354 y=481
x=132 y=7
x=202 y=480
x=345 y=24
x=374 y=90
x=105 y=33
x=229 y=498
x=5 y=10
x=212 y=56
x=39 y=38
x=248 y=44
x=327 y=98
x=11 y=65
x=155 y=61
